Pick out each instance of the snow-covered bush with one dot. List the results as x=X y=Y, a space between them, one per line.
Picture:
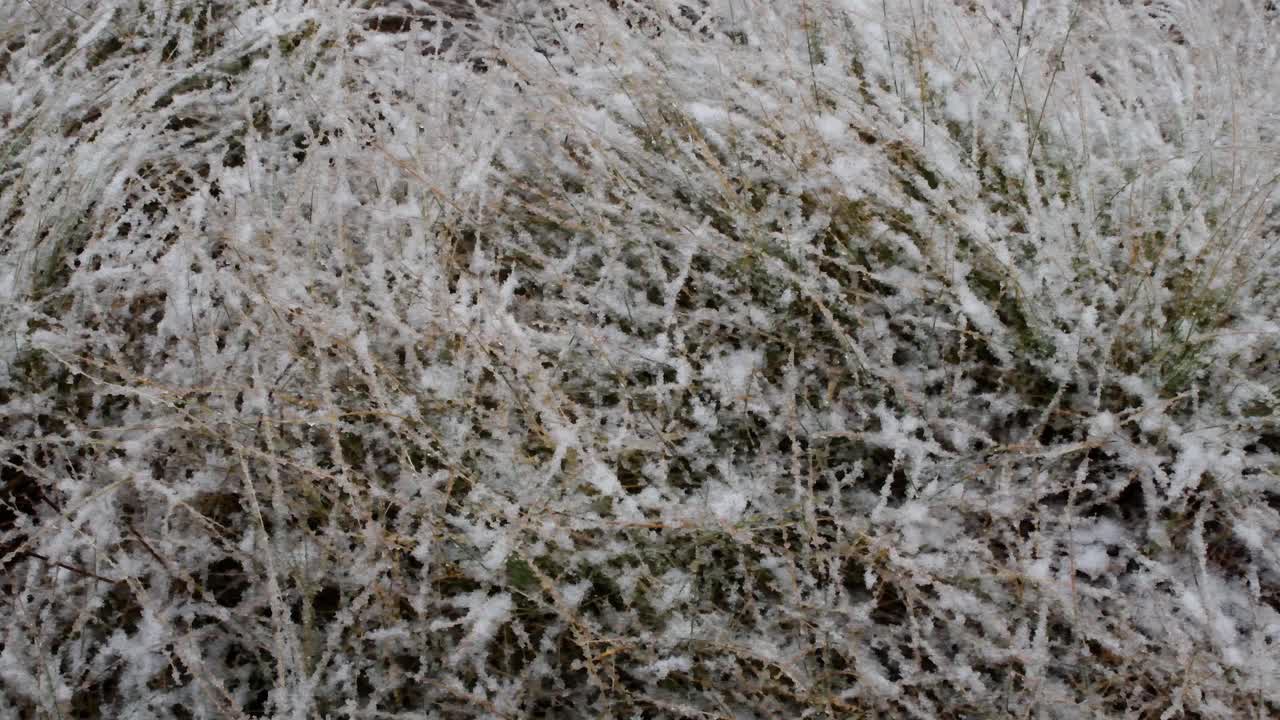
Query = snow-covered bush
x=631 y=359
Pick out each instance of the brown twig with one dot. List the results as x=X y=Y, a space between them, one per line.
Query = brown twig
x=70 y=568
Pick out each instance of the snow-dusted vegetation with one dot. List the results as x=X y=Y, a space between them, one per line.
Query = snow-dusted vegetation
x=639 y=359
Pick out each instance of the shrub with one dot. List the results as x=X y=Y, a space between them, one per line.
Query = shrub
x=623 y=359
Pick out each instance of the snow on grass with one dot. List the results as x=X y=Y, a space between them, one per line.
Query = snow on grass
x=622 y=359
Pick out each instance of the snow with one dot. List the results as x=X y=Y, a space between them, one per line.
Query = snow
x=664 y=667
x=1103 y=425
x=733 y=371
x=485 y=615
x=726 y=504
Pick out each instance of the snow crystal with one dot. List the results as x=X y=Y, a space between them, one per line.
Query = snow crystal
x=485 y=615
x=726 y=503
x=1102 y=425
x=662 y=668
x=574 y=594
x=712 y=117
x=1092 y=560
x=604 y=479
x=832 y=128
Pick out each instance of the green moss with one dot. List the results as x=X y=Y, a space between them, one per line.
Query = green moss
x=103 y=50
x=1258 y=408
x=58 y=49
x=907 y=159
x=198 y=81
x=241 y=64
x=990 y=283
x=34 y=368
x=813 y=40
x=289 y=42
x=520 y=575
